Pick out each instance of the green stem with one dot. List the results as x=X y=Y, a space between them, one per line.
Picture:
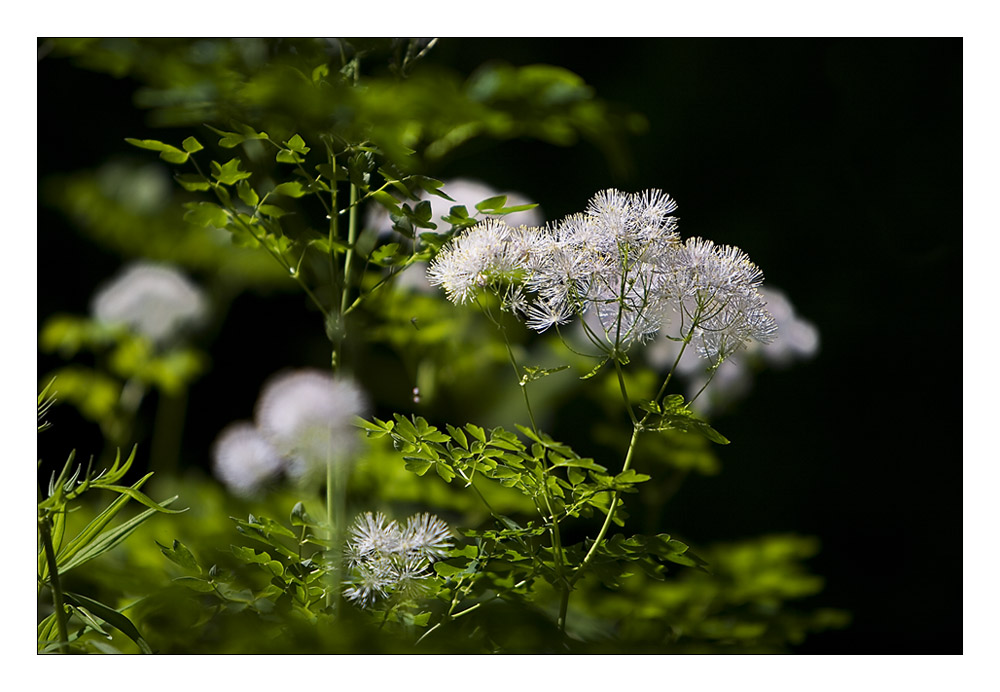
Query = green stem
x=611 y=510
x=637 y=427
x=336 y=510
x=352 y=236
x=45 y=530
x=476 y=606
x=621 y=385
x=564 y=585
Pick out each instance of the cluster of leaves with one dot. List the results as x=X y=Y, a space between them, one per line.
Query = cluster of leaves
x=307 y=85
x=109 y=204
x=265 y=214
x=745 y=605
x=118 y=356
x=509 y=557
x=292 y=564
x=58 y=554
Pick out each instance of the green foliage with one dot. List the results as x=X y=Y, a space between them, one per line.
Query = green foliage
x=297 y=142
x=673 y=414
x=58 y=555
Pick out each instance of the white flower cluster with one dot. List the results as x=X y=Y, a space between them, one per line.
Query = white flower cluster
x=154 y=300
x=798 y=340
x=304 y=420
x=621 y=268
x=387 y=559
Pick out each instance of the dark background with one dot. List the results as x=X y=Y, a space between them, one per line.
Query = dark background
x=836 y=164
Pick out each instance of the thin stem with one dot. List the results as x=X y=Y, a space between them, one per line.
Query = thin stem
x=636 y=429
x=336 y=506
x=707 y=382
x=352 y=236
x=45 y=530
x=553 y=521
x=611 y=510
x=621 y=384
x=476 y=606
x=472 y=485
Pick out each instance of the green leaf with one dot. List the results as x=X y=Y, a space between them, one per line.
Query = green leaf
x=139 y=497
x=444 y=471
x=297 y=144
x=229 y=139
x=674 y=414
x=512 y=210
x=535 y=373
x=386 y=200
x=629 y=477
x=446 y=570
x=229 y=173
x=168 y=153
x=596 y=369
x=319 y=72
x=111 y=617
x=492 y=203
x=90 y=620
x=271 y=210
x=476 y=432
x=109 y=539
x=458 y=435
x=262 y=558
x=247 y=194
x=385 y=255
x=96 y=525
x=710 y=432
x=192 y=182
x=206 y=214
x=180 y=555
x=417 y=465
x=431 y=185
x=195 y=584
x=582 y=464
x=191 y=145
x=287 y=156
x=291 y=189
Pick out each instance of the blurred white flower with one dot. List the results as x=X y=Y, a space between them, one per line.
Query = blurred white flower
x=386 y=559
x=155 y=300
x=243 y=460
x=465 y=192
x=799 y=338
x=308 y=416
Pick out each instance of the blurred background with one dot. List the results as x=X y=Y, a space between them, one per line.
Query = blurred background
x=835 y=164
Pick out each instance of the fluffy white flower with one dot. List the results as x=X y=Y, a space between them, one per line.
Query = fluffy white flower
x=716 y=292
x=154 y=300
x=474 y=258
x=308 y=415
x=243 y=460
x=387 y=559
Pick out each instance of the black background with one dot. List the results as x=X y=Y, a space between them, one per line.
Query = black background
x=836 y=164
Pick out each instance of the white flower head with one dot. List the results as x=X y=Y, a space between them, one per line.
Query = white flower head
x=473 y=259
x=154 y=300
x=308 y=416
x=243 y=460
x=715 y=289
x=389 y=560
